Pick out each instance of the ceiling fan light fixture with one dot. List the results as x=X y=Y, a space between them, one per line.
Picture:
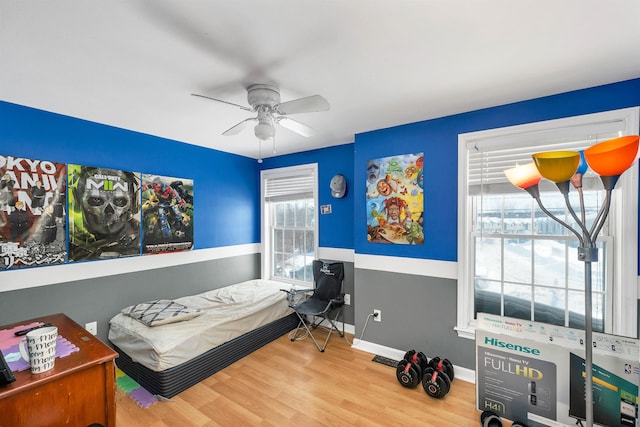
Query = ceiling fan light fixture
x=264 y=131
x=264 y=100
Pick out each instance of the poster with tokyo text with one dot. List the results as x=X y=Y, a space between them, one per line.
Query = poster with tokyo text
x=32 y=212
x=395 y=200
x=104 y=213
x=167 y=214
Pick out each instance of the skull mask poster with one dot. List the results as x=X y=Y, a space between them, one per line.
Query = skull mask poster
x=395 y=201
x=32 y=212
x=104 y=213
x=167 y=214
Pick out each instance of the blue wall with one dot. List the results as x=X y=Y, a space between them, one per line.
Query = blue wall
x=438 y=139
x=336 y=229
x=228 y=210
x=226 y=185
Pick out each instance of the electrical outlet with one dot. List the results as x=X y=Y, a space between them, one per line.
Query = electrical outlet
x=347 y=299
x=92 y=327
x=377 y=315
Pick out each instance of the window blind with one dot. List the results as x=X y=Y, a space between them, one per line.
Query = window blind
x=293 y=187
x=487 y=159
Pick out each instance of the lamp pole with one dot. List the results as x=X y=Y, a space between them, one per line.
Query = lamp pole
x=588 y=253
x=609 y=159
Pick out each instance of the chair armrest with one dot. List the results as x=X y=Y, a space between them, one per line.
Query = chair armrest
x=338 y=301
x=294 y=297
x=294 y=291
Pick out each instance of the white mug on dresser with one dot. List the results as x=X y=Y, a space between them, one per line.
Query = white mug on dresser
x=40 y=349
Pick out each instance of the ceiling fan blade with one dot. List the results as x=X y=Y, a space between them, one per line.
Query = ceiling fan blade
x=296 y=126
x=310 y=104
x=225 y=102
x=236 y=129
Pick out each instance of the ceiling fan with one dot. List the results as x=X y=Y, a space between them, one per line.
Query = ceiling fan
x=264 y=99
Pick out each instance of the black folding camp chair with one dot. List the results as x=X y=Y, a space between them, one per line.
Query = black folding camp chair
x=325 y=302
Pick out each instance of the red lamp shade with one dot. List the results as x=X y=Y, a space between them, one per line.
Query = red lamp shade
x=614 y=156
x=523 y=176
x=557 y=166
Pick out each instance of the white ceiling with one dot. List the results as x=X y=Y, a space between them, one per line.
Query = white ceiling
x=379 y=63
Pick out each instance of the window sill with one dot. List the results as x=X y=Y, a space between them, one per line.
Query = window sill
x=468 y=332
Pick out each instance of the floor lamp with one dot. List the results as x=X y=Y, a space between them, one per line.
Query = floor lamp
x=609 y=159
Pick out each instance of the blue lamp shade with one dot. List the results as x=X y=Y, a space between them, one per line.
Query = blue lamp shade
x=582 y=166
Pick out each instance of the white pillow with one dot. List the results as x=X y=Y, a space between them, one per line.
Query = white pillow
x=160 y=312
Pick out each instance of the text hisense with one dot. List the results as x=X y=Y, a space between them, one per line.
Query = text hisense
x=501 y=344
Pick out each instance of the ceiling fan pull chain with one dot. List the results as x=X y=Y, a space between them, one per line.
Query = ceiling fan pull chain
x=273 y=138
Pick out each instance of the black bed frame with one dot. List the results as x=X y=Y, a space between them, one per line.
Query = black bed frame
x=174 y=380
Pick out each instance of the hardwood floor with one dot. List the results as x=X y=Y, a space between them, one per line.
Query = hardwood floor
x=292 y=384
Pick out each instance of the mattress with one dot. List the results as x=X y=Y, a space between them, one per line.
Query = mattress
x=174 y=380
x=227 y=313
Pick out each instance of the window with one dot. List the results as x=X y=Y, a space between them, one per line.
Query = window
x=514 y=260
x=289 y=226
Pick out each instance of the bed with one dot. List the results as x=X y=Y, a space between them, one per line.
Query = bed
x=210 y=331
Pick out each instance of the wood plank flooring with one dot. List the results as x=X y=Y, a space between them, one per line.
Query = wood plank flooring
x=292 y=384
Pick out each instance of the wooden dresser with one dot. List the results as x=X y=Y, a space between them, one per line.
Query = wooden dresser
x=78 y=391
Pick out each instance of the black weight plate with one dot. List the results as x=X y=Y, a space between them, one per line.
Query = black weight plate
x=434 y=383
x=409 y=354
x=413 y=357
x=444 y=380
x=442 y=365
x=490 y=419
x=407 y=374
x=448 y=368
x=423 y=360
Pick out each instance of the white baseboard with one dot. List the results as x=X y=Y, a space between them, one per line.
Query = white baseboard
x=350 y=329
x=463 y=374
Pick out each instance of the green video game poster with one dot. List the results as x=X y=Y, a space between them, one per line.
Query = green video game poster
x=104 y=213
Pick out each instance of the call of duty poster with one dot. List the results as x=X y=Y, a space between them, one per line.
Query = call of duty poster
x=32 y=213
x=395 y=200
x=104 y=213
x=167 y=214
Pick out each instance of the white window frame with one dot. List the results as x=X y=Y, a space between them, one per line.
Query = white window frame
x=623 y=215
x=265 y=218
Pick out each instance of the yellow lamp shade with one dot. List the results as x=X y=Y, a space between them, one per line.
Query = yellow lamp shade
x=523 y=176
x=557 y=166
x=614 y=156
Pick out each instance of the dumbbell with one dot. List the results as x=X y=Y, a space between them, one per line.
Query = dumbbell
x=408 y=373
x=442 y=365
x=409 y=370
x=436 y=383
x=490 y=419
x=418 y=358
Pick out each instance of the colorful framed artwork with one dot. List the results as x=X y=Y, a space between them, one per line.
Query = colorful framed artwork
x=104 y=213
x=32 y=212
x=395 y=200
x=167 y=214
